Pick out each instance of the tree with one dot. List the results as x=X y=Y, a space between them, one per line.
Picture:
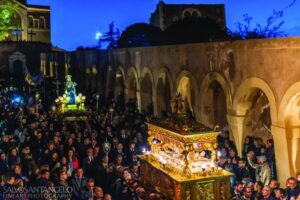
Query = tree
x=272 y=28
x=7 y=14
x=193 y=30
x=140 y=35
x=111 y=37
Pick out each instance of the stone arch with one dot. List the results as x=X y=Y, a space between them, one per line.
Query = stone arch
x=30 y=21
x=147 y=90
x=18 y=69
x=255 y=111
x=133 y=86
x=215 y=100
x=191 y=12
x=163 y=93
x=186 y=85
x=42 y=22
x=120 y=82
x=289 y=118
x=246 y=88
x=21 y=13
x=147 y=71
x=14 y=57
x=109 y=82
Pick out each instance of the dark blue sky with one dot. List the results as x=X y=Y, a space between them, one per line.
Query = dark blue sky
x=75 y=22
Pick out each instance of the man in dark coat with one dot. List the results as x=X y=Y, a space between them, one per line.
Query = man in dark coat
x=293 y=190
x=78 y=183
x=242 y=171
x=87 y=192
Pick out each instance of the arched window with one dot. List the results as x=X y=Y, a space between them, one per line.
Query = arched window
x=191 y=12
x=36 y=23
x=195 y=14
x=30 y=21
x=187 y=14
x=42 y=22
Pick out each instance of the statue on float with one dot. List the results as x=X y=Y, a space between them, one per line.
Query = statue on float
x=178 y=104
x=70 y=89
x=70 y=101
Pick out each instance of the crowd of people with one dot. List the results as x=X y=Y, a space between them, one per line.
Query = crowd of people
x=44 y=157
x=255 y=171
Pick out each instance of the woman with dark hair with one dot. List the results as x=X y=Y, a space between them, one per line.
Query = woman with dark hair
x=258 y=144
x=248 y=146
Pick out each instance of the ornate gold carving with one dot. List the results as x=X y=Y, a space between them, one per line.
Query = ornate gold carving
x=176 y=187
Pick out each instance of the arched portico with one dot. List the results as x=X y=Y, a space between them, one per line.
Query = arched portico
x=163 y=95
x=289 y=126
x=147 y=90
x=255 y=111
x=186 y=85
x=133 y=86
x=120 y=81
x=247 y=95
x=215 y=100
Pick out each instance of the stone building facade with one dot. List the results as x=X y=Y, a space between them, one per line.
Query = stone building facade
x=252 y=86
x=31 y=23
x=166 y=14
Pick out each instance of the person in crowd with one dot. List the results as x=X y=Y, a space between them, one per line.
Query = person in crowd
x=292 y=189
x=79 y=181
x=266 y=193
x=98 y=193
x=270 y=154
x=263 y=171
x=237 y=192
x=38 y=149
x=280 y=194
x=242 y=172
x=3 y=163
x=247 y=194
x=87 y=192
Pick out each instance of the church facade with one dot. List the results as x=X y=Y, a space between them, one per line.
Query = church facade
x=31 y=23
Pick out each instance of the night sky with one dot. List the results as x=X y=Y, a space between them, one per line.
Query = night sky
x=75 y=22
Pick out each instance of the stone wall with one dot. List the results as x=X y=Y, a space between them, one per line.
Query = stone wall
x=243 y=69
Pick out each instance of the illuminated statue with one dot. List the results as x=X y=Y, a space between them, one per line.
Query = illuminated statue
x=70 y=101
x=178 y=104
x=70 y=90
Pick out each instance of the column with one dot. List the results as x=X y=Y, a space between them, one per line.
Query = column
x=236 y=127
x=51 y=69
x=139 y=100
x=282 y=153
x=154 y=102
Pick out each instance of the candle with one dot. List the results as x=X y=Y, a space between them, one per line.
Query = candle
x=212 y=166
x=144 y=150
x=203 y=167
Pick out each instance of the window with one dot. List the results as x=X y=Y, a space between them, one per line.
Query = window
x=30 y=21
x=36 y=23
x=42 y=23
x=187 y=14
x=191 y=12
